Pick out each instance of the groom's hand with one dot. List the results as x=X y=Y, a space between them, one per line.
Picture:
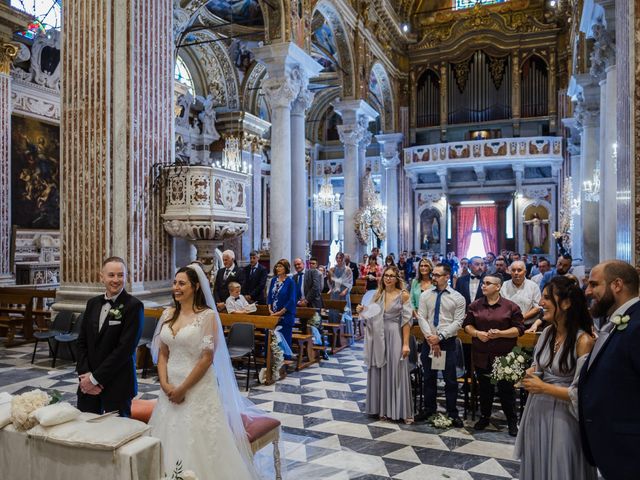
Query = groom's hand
x=87 y=387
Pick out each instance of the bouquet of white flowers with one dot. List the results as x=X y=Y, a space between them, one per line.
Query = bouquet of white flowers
x=440 y=421
x=23 y=405
x=512 y=367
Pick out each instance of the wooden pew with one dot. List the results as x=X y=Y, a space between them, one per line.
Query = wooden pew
x=528 y=340
x=42 y=299
x=335 y=331
x=260 y=322
x=16 y=311
x=303 y=341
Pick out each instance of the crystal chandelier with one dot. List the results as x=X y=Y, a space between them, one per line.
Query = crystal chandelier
x=326 y=200
x=232 y=157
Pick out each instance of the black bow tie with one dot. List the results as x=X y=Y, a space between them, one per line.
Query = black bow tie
x=106 y=300
x=474 y=277
x=237 y=298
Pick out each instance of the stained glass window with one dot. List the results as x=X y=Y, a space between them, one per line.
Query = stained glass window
x=460 y=4
x=47 y=15
x=183 y=75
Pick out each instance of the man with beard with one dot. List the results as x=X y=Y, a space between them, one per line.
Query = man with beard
x=563 y=267
x=470 y=286
x=609 y=385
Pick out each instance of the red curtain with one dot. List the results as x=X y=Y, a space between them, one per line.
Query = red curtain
x=487 y=224
x=466 y=216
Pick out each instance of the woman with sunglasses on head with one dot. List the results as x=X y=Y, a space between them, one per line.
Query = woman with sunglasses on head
x=421 y=283
x=386 y=349
x=548 y=443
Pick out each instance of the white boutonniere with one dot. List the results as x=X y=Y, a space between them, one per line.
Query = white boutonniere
x=621 y=322
x=117 y=312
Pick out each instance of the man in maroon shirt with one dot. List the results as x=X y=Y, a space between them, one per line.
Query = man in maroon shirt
x=494 y=323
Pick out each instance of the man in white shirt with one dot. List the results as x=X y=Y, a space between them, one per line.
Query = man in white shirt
x=440 y=314
x=524 y=293
x=543 y=267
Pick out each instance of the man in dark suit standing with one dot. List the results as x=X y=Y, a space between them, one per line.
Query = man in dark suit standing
x=353 y=266
x=470 y=286
x=107 y=345
x=255 y=279
x=230 y=273
x=609 y=385
x=308 y=285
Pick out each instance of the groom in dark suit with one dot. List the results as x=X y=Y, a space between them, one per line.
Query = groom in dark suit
x=107 y=344
x=609 y=385
x=470 y=286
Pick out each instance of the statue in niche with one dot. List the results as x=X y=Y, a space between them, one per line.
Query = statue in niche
x=430 y=229
x=536 y=232
x=208 y=117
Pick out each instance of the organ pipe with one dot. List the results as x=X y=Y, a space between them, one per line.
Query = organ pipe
x=428 y=99
x=473 y=95
x=535 y=88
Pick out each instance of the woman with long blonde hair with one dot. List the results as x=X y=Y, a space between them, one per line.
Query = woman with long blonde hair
x=386 y=349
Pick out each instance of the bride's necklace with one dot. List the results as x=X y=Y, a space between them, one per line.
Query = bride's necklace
x=557 y=344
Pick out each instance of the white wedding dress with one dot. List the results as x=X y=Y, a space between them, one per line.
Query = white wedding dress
x=196 y=431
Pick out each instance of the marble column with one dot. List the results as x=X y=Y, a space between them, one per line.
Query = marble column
x=287 y=66
x=390 y=157
x=627 y=47
x=588 y=121
x=608 y=175
x=116 y=124
x=603 y=70
x=7 y=52
x=299 y=176
x=356 y=115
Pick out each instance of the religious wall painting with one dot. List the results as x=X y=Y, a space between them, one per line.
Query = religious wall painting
x=430 y=229
x=35 y=167
x=243 y=12
x=241 y=54
x=536 y=228
x=323 y=48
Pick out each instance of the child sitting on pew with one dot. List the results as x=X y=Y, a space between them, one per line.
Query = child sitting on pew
x=236 y=303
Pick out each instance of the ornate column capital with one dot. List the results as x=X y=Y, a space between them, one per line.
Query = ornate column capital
x=280 y=93
x=351 y=135
x=302 y=102
x=7 y=52
x=603 y=55
x=390 y=162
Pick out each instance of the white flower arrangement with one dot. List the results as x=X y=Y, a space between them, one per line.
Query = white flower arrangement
x=511 y=367
x=440 y=421
x=621 y=322
x=278 y=360
x=23 y=405
x=179 y=474
x=117 y=312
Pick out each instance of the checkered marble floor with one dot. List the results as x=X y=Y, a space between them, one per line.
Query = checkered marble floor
x=326 y=433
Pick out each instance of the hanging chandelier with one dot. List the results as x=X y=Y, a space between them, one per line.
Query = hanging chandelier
x=326 y=200
x=232 y=157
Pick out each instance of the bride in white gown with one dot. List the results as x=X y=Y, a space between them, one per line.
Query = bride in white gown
x=197 y=417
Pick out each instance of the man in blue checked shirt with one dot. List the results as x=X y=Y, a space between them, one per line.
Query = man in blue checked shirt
x=440 y=314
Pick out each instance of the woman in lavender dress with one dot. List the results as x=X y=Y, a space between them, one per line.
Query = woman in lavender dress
x=386 y=347
x=548 y=443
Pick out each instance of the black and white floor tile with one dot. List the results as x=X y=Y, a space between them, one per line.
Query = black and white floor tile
x=326 y=433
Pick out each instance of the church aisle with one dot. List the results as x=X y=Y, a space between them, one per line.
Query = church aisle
x=326 y=435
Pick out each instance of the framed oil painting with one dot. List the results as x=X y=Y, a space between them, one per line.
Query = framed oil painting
x=35 y=173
